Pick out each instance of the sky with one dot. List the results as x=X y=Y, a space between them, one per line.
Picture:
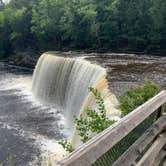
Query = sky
x=6 y=1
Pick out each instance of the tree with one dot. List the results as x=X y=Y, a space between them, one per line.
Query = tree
x=137 y=25
x=5 y=31
x=1 y=5
x=46 y=23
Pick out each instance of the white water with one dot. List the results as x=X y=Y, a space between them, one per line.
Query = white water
x=29 y=129
x=34 y=118
x=64 y=83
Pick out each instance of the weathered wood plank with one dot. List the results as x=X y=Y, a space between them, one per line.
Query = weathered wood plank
x=131 y=155
x=100 y=144
x=159 y=158
x=163 y=109
x=163 y=163
x=153 y=151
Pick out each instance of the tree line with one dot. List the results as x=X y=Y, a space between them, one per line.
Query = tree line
x=41 y=25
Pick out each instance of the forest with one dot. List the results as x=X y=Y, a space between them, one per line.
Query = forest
x=104 y=25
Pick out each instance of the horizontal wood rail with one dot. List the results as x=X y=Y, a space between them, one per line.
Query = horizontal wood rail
x=89 y=152
x=152 y=153
x=138 y=148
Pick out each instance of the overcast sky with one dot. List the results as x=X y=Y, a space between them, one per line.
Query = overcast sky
x=5 y=1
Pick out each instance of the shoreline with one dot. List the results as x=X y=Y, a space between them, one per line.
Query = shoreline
x=29 y=59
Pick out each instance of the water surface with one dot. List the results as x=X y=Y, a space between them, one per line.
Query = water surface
x=28 y=128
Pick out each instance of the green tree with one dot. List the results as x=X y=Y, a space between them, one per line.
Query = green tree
x=134 y=97
x=1 y=5
x=47 y=20
x=137 y=25
x=95 y=121
x=5 y=31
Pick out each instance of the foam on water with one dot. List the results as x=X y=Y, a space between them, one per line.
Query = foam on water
x=60 y=90
x=64 y=82
x=19 y=86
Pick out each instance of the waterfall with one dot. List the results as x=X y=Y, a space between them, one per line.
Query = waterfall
x=64 y=82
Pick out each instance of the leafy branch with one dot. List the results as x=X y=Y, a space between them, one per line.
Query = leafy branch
x=135 y=97
x=94 y=121
x=66 y=145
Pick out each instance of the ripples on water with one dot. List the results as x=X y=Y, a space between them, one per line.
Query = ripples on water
x=28 y=128
x=131 y=70
x=127 y=69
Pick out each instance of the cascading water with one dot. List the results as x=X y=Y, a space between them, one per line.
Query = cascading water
x=64 y=82
x=30 y=128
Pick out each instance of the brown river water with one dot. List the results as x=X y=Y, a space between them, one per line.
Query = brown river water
x=28 y=128
x=128 y=69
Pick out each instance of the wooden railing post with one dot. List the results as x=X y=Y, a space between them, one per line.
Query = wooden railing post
x=159 y=114
x=163 y=109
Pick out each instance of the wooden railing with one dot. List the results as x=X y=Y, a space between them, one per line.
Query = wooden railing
x=155 y=138
x=91 y=151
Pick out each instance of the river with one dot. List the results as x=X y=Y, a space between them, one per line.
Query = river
x=28 y=128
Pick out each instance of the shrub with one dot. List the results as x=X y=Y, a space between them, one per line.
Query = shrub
x=66 y=145
x=95 y=121
x=134 y=97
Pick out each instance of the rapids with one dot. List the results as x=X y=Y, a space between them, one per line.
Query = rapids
x=30 y=125
x=64 y=83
